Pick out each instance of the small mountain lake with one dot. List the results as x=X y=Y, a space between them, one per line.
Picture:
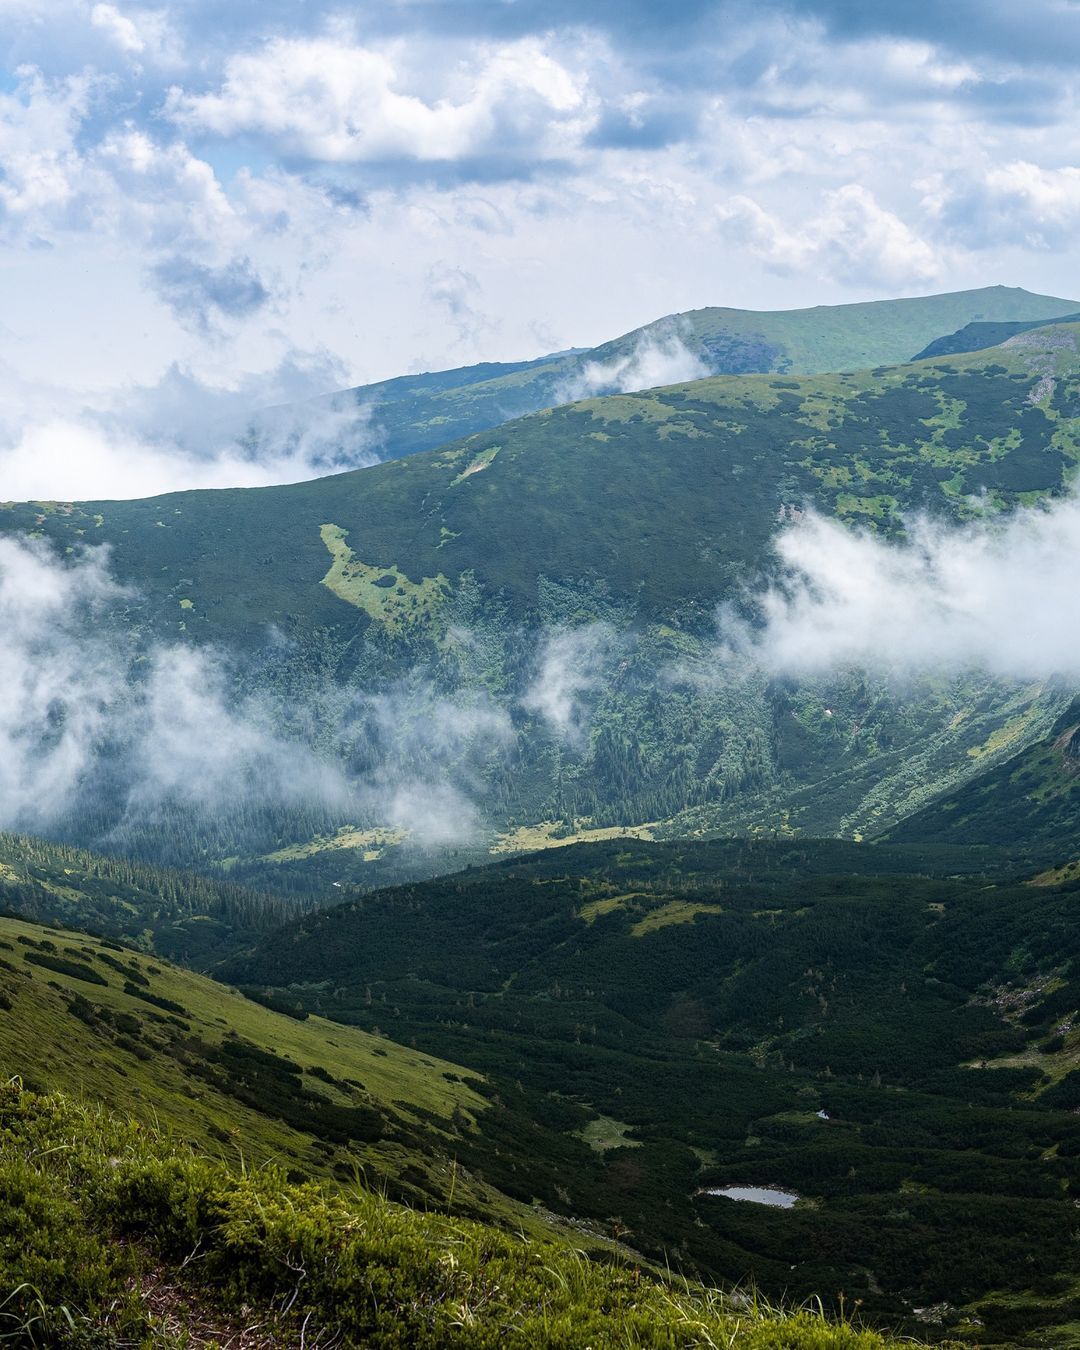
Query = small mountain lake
x=758 y=1195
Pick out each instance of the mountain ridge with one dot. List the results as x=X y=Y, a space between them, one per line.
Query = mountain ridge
x=414 y=413
x=628 y=520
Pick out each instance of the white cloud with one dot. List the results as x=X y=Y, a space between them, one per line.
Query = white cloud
x=853 y=239
x=811 y=75
x=189 y=742
x=277 y=426
x=40 y=166
x=433 y=815
x=1015 y=203
x=163 y=195
x=57 y=690
x=124 y=185
x=571 y=664
x=340 y=103
x=122 y=30
x=89 y=718
x=80 y=459
x=997 y=596
x=660 y=356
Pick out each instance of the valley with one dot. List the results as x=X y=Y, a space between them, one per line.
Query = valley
x=539 y=675
x=437 y=856
x=843 y=1022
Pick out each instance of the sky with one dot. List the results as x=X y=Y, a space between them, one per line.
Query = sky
x=208 y=208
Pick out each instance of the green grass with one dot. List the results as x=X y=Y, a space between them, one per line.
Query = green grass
x=105 y=1042
x=385 y=594
x=93 y=1210
x=673 y=911
x=604 y=1133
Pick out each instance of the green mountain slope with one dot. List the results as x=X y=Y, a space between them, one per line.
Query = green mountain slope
x=802 y=1016
x=640 y=513
x=179 y=915
x=593 y=491
x=1031 y=802
x=227 y=1074
x=422 y=411
x=879 y=332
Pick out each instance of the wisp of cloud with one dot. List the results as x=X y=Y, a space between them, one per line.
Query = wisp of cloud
x=96 y=726
x=659 y=357
x=571 y=666
x=996 y=595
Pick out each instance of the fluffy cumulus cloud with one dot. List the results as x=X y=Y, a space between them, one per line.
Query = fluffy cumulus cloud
x=850 y=237
x=70 y=166
x=210 y=187
x=42 y=168
x=336 y=102
x=994 y=595
x=1036 y=207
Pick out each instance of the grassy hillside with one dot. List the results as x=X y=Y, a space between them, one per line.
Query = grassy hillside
x=121 y=1238
x=873 y=333
x=226 y=1074
x=422 y=411
x=94 y=1234
x=863 y=1027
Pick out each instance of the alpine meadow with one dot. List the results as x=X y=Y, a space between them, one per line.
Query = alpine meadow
x=539 y=675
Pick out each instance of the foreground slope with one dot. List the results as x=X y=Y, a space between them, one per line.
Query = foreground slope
x=418 y=412
x=885 y=1032
x=120 y=1238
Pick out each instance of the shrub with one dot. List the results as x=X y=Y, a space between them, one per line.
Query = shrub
x=76 y=970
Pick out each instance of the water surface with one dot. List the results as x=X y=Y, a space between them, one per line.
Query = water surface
x=758 y=1195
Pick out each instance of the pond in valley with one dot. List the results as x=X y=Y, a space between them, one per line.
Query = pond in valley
x=758 y=1195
